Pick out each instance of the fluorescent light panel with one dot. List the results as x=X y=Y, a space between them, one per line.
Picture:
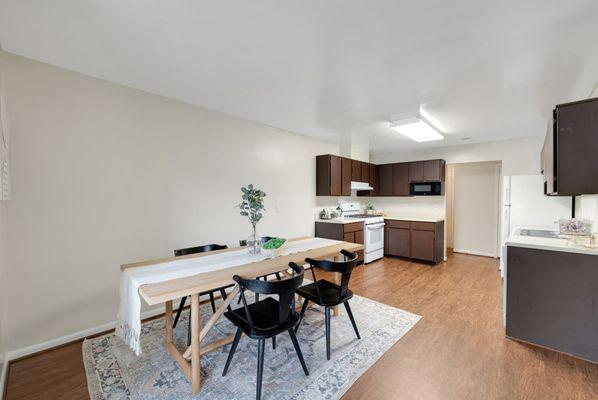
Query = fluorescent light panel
x=416 y=129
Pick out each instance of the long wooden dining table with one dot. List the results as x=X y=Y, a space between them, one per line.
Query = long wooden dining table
x=168 y=291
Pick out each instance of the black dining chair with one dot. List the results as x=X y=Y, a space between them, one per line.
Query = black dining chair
x=195 y=250
x=328 y=294
x=267 y=318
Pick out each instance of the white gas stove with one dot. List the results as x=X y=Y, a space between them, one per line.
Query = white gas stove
x=373 y=231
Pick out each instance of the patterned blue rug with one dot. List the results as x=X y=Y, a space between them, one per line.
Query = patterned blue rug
x=114 y=372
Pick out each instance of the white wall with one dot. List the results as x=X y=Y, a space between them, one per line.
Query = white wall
x=518 y=156
x=421 y=206
x=105 y=175
x=476 y=208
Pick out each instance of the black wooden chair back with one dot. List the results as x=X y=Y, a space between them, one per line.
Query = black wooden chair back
x=285 y=289
x=199 y=249
x=344 y=267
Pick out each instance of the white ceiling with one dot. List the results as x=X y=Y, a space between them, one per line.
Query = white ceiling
x=325 y=68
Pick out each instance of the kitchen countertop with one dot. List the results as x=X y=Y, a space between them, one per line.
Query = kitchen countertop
x=413 y=218
x=340 y=220
x=343 y=220
x=554 y=244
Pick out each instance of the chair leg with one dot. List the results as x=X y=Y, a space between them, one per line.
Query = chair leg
x=212 y=302
x=231 y=353
x=223 y=294
x=303 y=308
x=274 y=342
x=327 y=315
x=179 y=311
x=261 y=347
x=298 y=350
x=348 y=308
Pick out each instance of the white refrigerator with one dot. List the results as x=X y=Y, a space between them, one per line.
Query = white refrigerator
x=526 y=206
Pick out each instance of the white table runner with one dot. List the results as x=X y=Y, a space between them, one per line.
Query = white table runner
x=129 y=313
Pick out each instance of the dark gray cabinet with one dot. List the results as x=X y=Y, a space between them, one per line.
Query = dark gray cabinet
x=569 y=161
x=552 y=298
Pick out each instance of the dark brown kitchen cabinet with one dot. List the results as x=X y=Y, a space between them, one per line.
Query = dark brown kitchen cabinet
x=351 y=232
x=569 y=161
x=385 y=180
x=356 y=171
x=434 y=170
x=416 y=171
x=416 y=240
x=371 y=173
x=373 y=180
x=397 y=238
x=328 y=175
x=400 y=179
x=346 y=165
x=365 y=172
x=334 y=175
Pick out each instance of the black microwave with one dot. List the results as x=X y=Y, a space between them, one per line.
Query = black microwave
x=425 y=188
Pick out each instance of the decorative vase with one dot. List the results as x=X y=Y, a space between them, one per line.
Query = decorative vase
x=254 y=241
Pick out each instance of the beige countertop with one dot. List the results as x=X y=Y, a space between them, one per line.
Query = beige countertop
x=342 y=220
x=554 y=244
x=414 y=218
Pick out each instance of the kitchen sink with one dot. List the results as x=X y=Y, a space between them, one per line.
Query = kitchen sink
x=539 y=233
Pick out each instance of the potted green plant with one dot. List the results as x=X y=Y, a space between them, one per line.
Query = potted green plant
x=251 y=206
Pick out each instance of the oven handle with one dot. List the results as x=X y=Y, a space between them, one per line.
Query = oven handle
x=375 y=227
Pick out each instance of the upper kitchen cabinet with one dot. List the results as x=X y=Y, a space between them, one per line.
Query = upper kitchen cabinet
x=416 y=171
x=346 y=166
x=569 y=161
x=365 y=172
x=400 y=179
x=427 y=171
x=385 y=180
x=374 y=179
x=434 y=170
x=356 y=171
x=333 y=176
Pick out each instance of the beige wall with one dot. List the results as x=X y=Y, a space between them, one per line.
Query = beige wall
x=476 y=208
x=105 y=175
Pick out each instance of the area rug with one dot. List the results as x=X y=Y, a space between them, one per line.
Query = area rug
x=114 y=372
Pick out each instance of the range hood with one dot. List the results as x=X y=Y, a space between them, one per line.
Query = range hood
x=360 y=186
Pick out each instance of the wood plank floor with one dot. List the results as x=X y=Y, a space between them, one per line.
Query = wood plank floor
x=457 y=351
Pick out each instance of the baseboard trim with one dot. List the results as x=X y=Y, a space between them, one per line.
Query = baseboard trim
x=23 y=352
x=474 y=253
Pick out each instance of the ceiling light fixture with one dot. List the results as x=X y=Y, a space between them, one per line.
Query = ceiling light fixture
x=416 y=129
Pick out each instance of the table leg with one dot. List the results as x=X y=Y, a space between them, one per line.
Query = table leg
x=195 y=352
x=336 y=310
x=168 y=321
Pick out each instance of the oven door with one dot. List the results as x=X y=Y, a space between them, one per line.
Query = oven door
x=374 y=237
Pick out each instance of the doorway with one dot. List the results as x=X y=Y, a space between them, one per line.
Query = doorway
x=472 y=208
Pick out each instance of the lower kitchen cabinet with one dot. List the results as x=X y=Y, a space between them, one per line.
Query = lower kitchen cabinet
x=413 y=239
x=351 y=232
